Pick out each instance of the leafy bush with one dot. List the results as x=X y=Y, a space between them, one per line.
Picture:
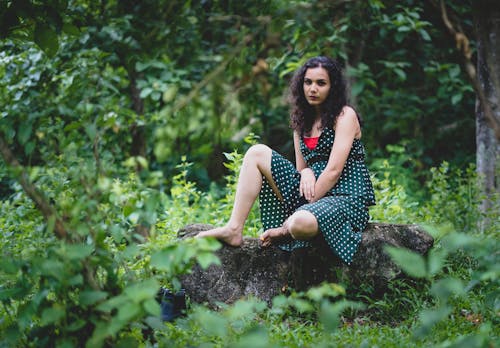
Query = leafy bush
x=48 y=300
x=101 y=280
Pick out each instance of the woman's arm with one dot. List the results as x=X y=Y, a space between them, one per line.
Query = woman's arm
x=346 y=129
x=300 y=163
x=307 y=178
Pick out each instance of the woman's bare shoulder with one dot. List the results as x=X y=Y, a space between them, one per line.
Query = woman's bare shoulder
x=348 y=112
x=348 y=118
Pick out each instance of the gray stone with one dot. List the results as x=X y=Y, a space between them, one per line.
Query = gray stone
x=251 y=270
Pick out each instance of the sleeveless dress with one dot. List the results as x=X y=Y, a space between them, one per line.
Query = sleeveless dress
x=342 y=214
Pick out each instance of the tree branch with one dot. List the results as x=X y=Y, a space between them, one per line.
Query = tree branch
x=463 y=46
x=42 y=204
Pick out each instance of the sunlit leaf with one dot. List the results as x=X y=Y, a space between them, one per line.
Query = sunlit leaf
x=212 y=323
x=329 y=314
x=152 y=307
x=429 y=318
x=77 y=251
x=436 y=260
x=141 y=291
x=301 y=305
x=91 y=296
x=410 y=262
x=446 y=287
x=206 y=259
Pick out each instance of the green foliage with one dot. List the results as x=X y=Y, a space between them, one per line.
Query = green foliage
x=454 y=201
x=454 y=196
x=119 y=113
x=99 y=282
x=243 y=324
x=60 y=295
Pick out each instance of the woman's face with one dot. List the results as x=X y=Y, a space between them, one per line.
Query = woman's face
x=316 y=85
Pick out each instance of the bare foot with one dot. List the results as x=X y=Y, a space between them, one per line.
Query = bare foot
x=228 y=235
x=273 y=235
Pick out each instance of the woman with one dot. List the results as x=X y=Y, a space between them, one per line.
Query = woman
x=328 y=191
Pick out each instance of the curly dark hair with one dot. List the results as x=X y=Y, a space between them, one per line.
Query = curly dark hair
x=302 y=114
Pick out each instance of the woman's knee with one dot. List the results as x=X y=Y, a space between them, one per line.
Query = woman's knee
x=259 y=154
x=302 y=225
x=258 y=150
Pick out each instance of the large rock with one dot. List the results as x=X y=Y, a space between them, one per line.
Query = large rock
x=251 y=270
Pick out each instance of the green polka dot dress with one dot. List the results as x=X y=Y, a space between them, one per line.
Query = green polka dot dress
x=342 y=214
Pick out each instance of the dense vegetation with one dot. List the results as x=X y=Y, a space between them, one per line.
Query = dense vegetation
x=122 y=121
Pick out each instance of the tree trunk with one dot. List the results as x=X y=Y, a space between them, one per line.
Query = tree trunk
x=138 y=132
x=487 y=25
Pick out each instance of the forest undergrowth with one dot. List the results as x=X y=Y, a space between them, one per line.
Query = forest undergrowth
x=451 y=298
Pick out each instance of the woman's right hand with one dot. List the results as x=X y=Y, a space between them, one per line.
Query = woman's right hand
x=307 y=183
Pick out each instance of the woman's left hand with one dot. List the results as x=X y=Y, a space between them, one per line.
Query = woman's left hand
x=307 y=183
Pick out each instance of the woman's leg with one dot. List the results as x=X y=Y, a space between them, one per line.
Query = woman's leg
x=301 y=225
x=256 y=163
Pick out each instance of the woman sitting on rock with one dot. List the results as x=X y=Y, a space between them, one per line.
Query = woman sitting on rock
x=328 y=191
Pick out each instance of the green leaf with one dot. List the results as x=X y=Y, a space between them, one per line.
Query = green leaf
x=77 y=251
x=429 y=318
x=206 y=259
x=52 y=315
x=46 y=39
x=302 y=306
x=424 y=34
x=280 y=301
x=170 y=94
x=29 y=147
x=400 y=73
x=456 y=241
x=444 y=288
x=410 y=262
x=161 y=261
x=152 y=307
x=357 y=88
x=9 y=266
x=113 y=302
x=128 y=311
x=90 y=297
x=76 y=280
x=435 y=260
x=24 y=132
x=154 y=322
x=258 y=336
x=162 y=151
x=212 y=323
x=76 y=325
x=456 y=98
x=145 y=92
x=329 y=313
x=98 y=335
x=53 y=268
x=240 y=309
x=71 y=29
x=10 y=294
x=325 y=290
x=142 y=291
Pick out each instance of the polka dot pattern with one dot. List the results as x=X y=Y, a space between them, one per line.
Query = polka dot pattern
x=342 y=214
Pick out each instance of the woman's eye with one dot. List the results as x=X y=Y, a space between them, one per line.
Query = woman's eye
x=307 y=82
